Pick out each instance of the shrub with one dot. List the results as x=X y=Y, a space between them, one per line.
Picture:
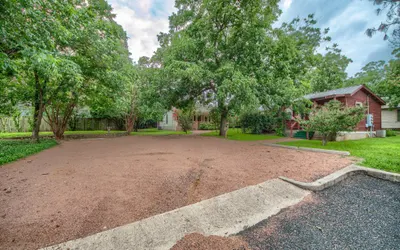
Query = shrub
x=390 y=132
x=207 y=126
x=185 y=120
x=332 y=118
x=257 y=122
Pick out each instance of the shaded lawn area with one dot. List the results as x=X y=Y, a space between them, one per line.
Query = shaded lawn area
x=238 y=135
x=11 y=150
x=47 y=133
x=380 y=153
x=155 y=131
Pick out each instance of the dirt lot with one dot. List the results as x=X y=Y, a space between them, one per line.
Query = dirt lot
x=85 y=186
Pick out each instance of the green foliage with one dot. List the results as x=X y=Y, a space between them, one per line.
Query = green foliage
x=332 y=118
x=185 y=120
x=18 y=135
x=11 y=150
x=155 y=132
x=392 y=89
x=17 y=120
x=77 y=57
x=382 y=78
x=213 y=50
x=330 y=72
x=257 y=122
x=237 y=135
x=207 y=126
x=390 y=133
x=372 y=75
x=380 y=153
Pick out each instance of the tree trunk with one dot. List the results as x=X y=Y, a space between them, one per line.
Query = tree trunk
x=59 y=133
x=39 y=109
x=58 y=117
x=224 y=122
x=324 y=140
x=129 y=123
x=136 y=127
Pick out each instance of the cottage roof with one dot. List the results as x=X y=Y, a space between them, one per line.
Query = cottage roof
x=341 y=92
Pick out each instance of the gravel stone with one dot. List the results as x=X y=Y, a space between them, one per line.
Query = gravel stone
x=359 y=213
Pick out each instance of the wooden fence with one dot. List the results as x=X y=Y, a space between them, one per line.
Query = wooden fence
x=8 y=125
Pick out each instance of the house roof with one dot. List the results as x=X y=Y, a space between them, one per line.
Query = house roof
x=341 y=92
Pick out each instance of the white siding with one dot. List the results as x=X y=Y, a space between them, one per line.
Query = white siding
x=168 y=122
x=389 y=119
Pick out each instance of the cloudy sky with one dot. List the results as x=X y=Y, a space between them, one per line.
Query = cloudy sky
x=347 y=20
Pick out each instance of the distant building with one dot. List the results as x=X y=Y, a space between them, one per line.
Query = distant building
x=350 y=97
x=170 y=119
x=390 y=117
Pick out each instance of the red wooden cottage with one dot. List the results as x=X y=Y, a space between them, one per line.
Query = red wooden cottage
x=350 y=96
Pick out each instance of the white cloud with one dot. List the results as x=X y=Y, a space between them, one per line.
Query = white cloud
x=347 y=21
x=348 y=30
x=141 y=25
x=287 y=3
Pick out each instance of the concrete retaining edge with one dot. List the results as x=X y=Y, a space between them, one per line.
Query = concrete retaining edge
x=342 y=174
x=337 y=152
x=223 y=215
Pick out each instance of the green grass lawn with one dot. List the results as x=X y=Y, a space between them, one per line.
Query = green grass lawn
x=11 y=150
x=155 y=131
x=380 y=153
x=238 y=135
x=29 y=134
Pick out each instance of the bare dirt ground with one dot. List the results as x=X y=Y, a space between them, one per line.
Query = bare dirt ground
x=200 y=242
x=85 y=186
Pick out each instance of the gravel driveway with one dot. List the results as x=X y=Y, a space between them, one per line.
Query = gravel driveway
x=85 y=186
x=360 y=213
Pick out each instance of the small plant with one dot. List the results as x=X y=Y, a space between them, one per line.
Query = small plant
x=16 y=116
x=215 y=117
x=30 y=123
x=257 y=123
x=206 y=126
x=390 y=132
x=185 y=120
x=332 y=118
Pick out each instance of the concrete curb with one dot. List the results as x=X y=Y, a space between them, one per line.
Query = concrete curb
x=223 y=215
x=342 y=174
x=337 y=152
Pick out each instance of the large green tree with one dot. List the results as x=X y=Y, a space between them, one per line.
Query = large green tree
x=330 y=70
x=372 y=75
x=213 y=50
x=392 y=86
x=61 y=52
x=290 y=53
x=381 y=77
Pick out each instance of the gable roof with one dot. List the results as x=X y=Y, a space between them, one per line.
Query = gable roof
x=334 y=92
x=341 y=92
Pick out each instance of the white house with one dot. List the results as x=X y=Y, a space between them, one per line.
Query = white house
x=169 y=121
x=390 y=117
